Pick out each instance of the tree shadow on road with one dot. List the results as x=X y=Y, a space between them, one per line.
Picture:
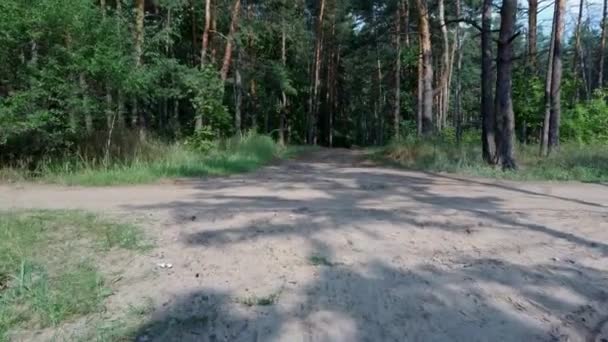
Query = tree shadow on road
x=379 y=300
x=386 y=303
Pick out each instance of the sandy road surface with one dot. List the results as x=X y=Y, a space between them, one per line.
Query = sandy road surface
x=398 y=255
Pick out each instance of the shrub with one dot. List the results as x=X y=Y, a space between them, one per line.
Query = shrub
x=587 y=122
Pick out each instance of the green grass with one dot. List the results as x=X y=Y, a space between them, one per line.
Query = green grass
x=156 y=161
x=319 y=260
x=47 y=269
x=573 y=162
x=269 y=300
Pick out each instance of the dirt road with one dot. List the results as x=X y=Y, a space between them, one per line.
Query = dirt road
x=331 y=248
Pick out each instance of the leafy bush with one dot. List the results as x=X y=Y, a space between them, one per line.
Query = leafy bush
x=203 y=140
x=587 y=122
x=207 y=93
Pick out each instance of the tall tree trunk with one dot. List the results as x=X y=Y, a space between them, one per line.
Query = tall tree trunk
x=420 y=92
x=330 y=82
x=532 y=33
x=175 y=122
x=252 y=98
x=88 y=118
x=120 y=110
x=138 y=117
x=283 y=113
x=110 y=112
x=600 y=74
x=238 y=92
x=378 y=100
x=427 y=68
x=234 y=22
x=198 y=125
x=487 y=102
x=504 y=97
x=397 y=104
x=457 y=99
x=194 y=31
x=335 y=109
x=544 y=142
x=212 y=34
x=205 y=43
x=139 y=32
x=556 y=80
x=316 y=76
x=578 y=62
x=445 y=68
x=405 y=22
x=253 y=91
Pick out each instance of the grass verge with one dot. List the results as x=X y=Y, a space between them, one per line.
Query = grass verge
x=573 y=162
x=47 y=269
x=155 y=161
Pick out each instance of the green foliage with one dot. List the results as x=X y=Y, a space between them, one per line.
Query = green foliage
x=207 y=94
x=46 y=271
x=587 y=122
x=279 y=79
x=528 y=99
x=157 y=160
x=203 y=140
x=72 y=93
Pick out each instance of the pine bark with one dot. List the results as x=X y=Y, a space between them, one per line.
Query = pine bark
x=578 y=61
x=138 y=118
x=426 y=110
x=532 y=33
x=550 y=138
x=405 y=22
x=544 y=143
x=234 y=22
x=487 y=103
x=556 y=81
x=397 y=104
x=194 y=32
x=207 y=28
x=139 y=32
x=457 y=98
x=316 y=77
x=238 y=91
x=504 y=97
x=600 y=74
x=212 y=34
x=330 y=82
x=283 y=113
x=445 y=68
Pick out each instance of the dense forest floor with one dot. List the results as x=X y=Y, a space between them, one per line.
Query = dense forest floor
x=332 y=247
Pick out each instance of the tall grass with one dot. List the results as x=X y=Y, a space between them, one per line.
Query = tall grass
x=573 y=162
x=155 y=160
x=47 y=269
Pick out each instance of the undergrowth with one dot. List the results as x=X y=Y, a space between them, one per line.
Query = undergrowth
x=155 y=160
x=573 y=161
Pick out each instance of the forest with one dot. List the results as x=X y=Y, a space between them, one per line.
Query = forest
x=88 y=83
x=303 y=170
